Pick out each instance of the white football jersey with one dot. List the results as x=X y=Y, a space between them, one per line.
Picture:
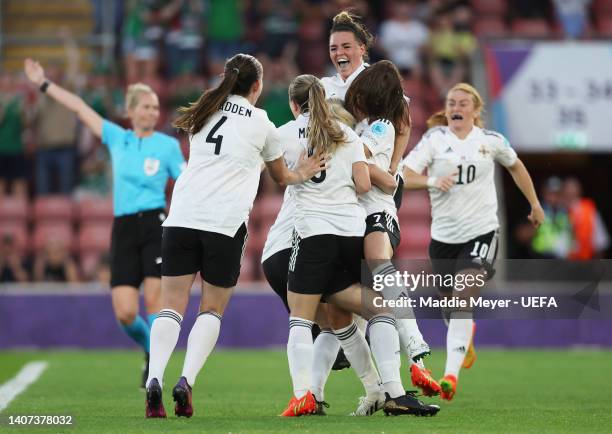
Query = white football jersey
x=336 y=87
x=216 y=191
x=469 y=209
x=327 y=203
x=379 y=138
x=280 y=236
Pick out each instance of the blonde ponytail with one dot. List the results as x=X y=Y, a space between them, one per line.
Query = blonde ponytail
x=324 y=133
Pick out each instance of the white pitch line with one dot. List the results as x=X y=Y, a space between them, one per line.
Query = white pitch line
x=20 y=382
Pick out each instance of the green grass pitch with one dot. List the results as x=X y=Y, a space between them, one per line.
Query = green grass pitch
x=243 y=391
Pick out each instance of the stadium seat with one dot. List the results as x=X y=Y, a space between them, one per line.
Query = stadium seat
x=95 y=210
x=415 y=205
x=406 y=251
x=602 y=7
x=416 y=234
x=88 y=264
x=604 y=26
x=53 y=208
x=531 y=28
x=489 y=7
x=19 y=232
x=418 y=115
x=47 y=231
x=490 y=27
x=14 y=209
x=94 y=238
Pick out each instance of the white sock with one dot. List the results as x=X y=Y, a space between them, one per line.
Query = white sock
x=408 y=330
x=202 y=340
x=357 y=352
x=457 y=341
x=384 y=343
x=164 y=336
x=299 y=354
x=394 y=291
x=324 y=353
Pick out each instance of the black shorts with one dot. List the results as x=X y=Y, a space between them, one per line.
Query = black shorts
x=13 y=167
x=216 y=256
x=324 y=264
x=275 y=269
x=479 y=253
x=383 y=222
x=136 y=247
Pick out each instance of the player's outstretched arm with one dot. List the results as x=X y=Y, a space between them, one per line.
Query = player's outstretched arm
x=523 y=181
x=416 y=181
x=36 y=74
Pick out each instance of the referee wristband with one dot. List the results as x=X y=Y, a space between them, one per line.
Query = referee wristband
x=431 y=181
x=43 y=87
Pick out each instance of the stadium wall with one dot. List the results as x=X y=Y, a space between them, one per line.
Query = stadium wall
x=252 y=320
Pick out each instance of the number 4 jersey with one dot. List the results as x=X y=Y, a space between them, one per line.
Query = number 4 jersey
x=469 y=209
x=215 y=193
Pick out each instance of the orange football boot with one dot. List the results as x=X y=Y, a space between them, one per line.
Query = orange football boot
x=298 y=407
x=448 y=384
x=422 y=379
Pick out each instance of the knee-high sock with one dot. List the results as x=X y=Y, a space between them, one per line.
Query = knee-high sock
x=299 y=354
x=384 y=343
x=457 y=341
x=202 y=340
x=164 y=336
x=357 y=352
x=406 y=324
x=324 y=353
x=139 y=331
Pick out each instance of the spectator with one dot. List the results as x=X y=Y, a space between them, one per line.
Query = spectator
x=451 y=46
x=102 y=274
x=279 y=25
x=529 y=9
x=54 y=264
x=403 y=37
x=140 y=40
x=279 y=73
x=522 y=248
x=13 y=167
x=573 y=16
x=185 y=36
x=95 y=174
x=224 y=33
x=12 y=264
x=55 y=147
x=554 y=236
x=591 y=237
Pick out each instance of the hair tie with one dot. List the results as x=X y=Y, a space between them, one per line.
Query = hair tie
x=236 y=70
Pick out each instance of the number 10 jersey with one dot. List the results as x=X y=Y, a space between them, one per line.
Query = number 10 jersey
x=469 y=209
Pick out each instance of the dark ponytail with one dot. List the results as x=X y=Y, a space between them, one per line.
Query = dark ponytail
x=241 y=71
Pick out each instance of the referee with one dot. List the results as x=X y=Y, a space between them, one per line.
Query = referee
x=143 y=160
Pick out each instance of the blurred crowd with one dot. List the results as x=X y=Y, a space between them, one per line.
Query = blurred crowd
x=573 y=229
x=178 y=47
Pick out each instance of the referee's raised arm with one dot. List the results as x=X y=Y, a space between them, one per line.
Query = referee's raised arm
x=36 y=74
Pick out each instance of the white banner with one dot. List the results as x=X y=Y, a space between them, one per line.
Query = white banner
x=560 y=97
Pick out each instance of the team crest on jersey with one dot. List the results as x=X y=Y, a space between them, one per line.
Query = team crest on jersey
x=151 y=166
x=379 y=129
